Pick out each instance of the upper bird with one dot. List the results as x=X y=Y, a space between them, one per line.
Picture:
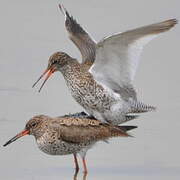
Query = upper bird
x=103 y=82
x=69 y=134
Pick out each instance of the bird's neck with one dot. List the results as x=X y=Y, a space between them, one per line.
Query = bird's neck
x=38 y=134
x=72 y=68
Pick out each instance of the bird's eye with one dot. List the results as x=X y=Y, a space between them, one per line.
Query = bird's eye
x=33 y=125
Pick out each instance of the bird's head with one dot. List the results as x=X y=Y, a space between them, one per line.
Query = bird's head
x=33 y=127
x=56 y=62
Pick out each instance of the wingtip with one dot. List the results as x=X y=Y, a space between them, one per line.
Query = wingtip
x=168 y=24
x=63 y=10
x=61 y=7
x=131 y=136
x=171 y=22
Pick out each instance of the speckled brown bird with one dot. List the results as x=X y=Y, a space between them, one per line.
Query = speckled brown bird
x=70 y=134
x=103 y=82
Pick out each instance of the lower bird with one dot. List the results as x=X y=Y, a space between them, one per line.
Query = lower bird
x=70 y=134
x=103 y=82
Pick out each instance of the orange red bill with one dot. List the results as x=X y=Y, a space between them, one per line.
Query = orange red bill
x=49 y=72
x=23 y=133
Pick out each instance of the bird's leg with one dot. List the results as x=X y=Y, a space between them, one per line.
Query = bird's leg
x=84 y=165
x=76 y=163
x=85 y=176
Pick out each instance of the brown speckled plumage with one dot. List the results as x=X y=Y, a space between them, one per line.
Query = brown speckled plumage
x=103 y=83
x=70 y=134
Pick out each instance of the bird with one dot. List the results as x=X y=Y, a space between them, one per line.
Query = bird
x=70 y=134
x=103 y=83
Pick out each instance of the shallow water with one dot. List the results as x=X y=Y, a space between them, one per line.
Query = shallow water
x=30 y=32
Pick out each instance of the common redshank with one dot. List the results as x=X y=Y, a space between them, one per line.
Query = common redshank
x=70 y=134
x=103 y=82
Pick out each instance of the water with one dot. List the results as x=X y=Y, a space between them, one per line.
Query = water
x=30 y=32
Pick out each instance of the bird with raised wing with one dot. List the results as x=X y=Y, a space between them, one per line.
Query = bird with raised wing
x=103 y=82
x=70 y=134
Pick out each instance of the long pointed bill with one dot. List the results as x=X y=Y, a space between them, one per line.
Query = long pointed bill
x=23 y=133
x=50 y=72
x=40 y=77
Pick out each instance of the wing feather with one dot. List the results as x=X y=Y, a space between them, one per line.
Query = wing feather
x=81 y=130
x=79 y=37
x=117 y=56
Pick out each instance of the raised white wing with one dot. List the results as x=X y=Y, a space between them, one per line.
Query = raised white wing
x=79 y=37
x=117 y=56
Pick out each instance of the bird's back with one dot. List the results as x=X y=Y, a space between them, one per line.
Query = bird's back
x=72 y=133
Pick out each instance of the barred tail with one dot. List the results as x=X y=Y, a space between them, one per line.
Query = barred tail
x=139 y=107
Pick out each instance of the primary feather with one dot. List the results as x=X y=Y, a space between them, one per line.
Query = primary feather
x=117 y=56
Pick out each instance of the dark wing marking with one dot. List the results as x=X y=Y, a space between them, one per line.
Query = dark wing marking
x=78 y=130
x=80 y=37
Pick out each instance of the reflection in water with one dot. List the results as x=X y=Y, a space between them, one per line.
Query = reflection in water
x=76 y=175
x=84 y=176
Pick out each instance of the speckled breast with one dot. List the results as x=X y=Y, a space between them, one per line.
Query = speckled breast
x=90 y=95
x=58 y=147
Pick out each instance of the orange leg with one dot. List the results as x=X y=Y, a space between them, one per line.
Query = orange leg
x=76 y=163
x=84 y=165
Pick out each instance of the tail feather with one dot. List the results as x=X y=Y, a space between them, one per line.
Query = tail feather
x=121 y=131
x=127 y=128
x=139 y=107
x=130 y=117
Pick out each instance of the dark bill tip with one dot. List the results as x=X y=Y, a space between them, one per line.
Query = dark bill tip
x=50 y=72
x=23 y=133
x=40 y=78
x=9 y=142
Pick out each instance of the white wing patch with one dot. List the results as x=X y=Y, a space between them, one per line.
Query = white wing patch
x=118 y=62
x=117 y=56
x=134 y=53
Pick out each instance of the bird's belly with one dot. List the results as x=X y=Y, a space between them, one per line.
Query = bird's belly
x=100 y=102
x=93 y=100
x=59 y=147
x=115 y=115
